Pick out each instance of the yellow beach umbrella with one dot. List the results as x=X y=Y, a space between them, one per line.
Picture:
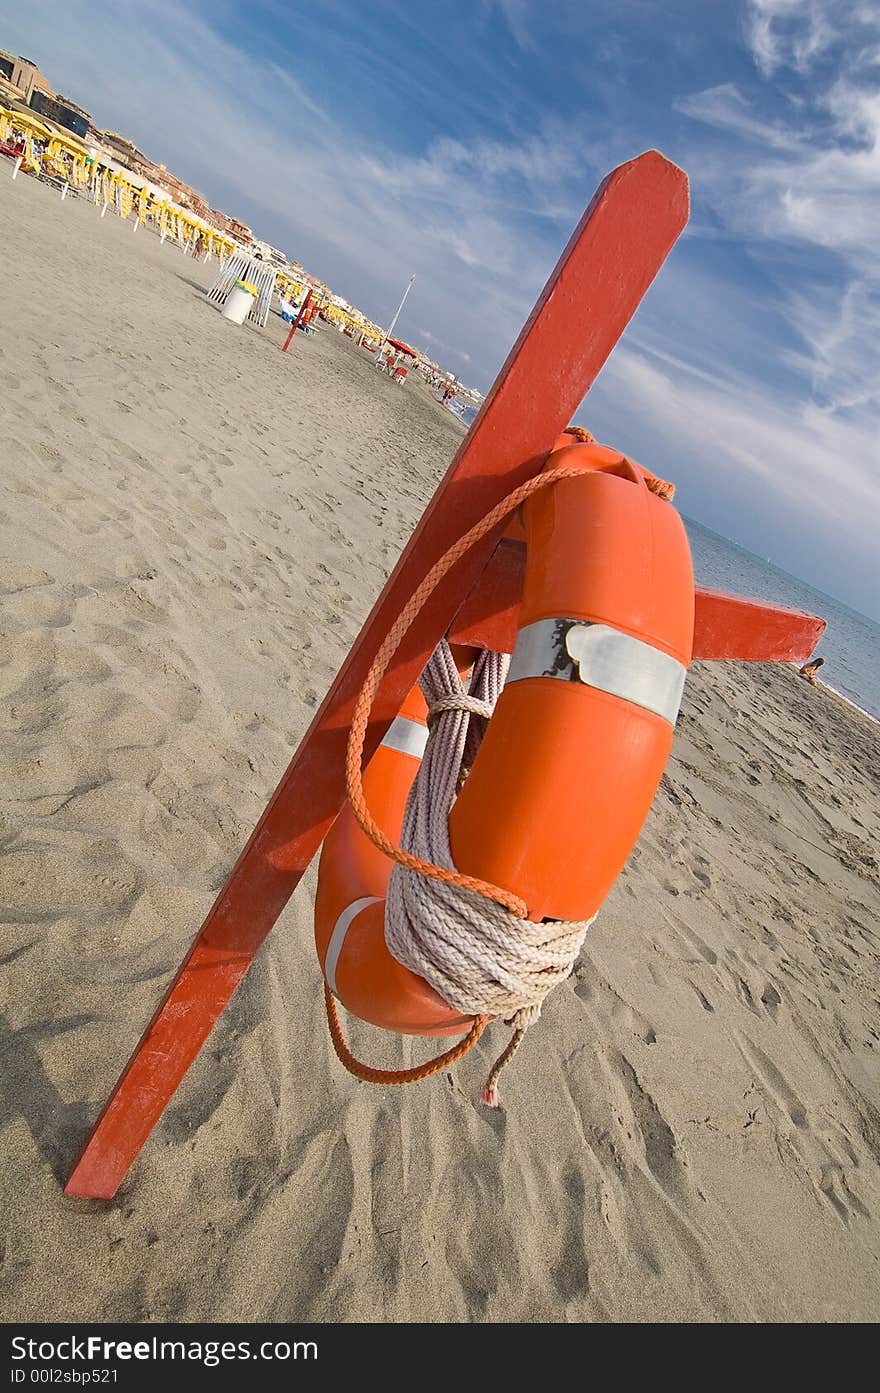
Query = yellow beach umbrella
x=71 y=143
x=30 y=123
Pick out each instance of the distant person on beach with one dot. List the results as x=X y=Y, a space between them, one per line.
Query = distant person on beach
x=809 y=670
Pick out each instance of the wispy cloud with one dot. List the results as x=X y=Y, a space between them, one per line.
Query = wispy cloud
x=798 y=35
x=750 y=372
x=806 y=476
x=725 y=108
x=792 y=33
x=821 y=194
x=518 y=16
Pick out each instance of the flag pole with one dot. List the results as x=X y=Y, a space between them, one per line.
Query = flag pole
x=397 y=316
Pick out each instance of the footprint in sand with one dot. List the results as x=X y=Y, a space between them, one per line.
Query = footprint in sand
x=18 y=575
x=774 y=1082
x=771 y=999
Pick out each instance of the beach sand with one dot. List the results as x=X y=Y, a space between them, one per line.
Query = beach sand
x=192 y=528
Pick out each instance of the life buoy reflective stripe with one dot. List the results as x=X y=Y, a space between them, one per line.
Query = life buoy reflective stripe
x=406 y=736
x=337 y=938
x=608 y=659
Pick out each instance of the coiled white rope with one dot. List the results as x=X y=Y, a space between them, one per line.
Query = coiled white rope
x=476 y=954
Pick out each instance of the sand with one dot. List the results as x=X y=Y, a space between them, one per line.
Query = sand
x=192 y=529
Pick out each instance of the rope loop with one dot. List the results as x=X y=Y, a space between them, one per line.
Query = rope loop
x=367 y=1074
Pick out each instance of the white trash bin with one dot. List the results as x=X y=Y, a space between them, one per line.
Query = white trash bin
x=237 y=305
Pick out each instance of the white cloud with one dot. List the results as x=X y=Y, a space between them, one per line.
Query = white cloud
x=841 y=333
x=813 y=187
x=696 y=387
x=786 y=480
x=819 y=183
x=795 y=33
x=803 y=192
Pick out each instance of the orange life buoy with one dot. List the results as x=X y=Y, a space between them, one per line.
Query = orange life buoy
x=574 y=752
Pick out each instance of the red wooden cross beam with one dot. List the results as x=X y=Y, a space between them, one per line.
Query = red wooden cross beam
x=613 y=256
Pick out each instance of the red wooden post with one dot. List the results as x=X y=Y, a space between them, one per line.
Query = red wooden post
x=295 y=325
x=615 y=252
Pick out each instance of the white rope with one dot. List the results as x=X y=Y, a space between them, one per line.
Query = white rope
x=476 y=954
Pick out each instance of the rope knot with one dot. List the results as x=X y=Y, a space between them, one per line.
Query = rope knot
x=458 y=701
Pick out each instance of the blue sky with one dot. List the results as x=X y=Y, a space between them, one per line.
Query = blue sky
x=461 y=142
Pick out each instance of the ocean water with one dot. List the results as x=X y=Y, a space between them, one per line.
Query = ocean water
x=851 y=642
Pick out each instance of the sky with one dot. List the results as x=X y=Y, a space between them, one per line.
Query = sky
x=460 y=142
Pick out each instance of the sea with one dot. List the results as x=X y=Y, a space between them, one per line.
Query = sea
x=851 y=642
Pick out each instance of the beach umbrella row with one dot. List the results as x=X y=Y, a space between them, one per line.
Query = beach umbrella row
x=42 y=148
x=49 y=152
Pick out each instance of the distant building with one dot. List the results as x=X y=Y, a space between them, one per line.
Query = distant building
x=24 y=76
x=225 y=222
x=21 y=81
x=125 y=151
x=8 y=89
x=62 y=111
x=181 y=193
x=270 y=254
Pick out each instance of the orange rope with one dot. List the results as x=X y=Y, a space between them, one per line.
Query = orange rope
x=658 y=486
x=367 y=1074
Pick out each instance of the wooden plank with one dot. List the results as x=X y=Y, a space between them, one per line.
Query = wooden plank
x=752 y=631
x=615 y=252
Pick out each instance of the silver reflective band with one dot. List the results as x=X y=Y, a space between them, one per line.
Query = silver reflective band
x=337 y=938
x=407 y=736
x=600 y=657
